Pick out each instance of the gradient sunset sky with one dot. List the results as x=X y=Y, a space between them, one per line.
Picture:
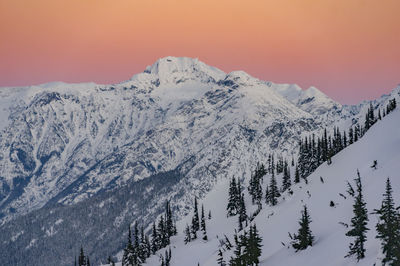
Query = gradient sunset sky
x=349 y=49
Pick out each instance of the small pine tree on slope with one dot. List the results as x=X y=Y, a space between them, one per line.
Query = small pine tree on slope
x=203 y=224
x=188 y=236
x=388 y=228
x=232 y=198
x=252 y=250
x=358 y=224
x=273 y=192
x=304 y=237
x=128 y=257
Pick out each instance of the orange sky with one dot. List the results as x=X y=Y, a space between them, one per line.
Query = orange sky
x=350 y=49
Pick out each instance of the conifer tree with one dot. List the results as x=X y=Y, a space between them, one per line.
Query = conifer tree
x=232 y=198
x=188 y=236
x=128 y=256
x=240 y=241
x=196 y=214
x=81 y=258
x=193 y=230
x=304 y=237
x=195 y=219
x=136 y=245
x=286 y=182
x=297 y=175
x=356 y=133
x=154 y=239
x=169 y=224
x=203 y=223
x=143 y=253
x=358 y=223
x=242 y=212
x=252 y=249
x=168 y=256
x=273 y=192
x=255 y=189
x=388 y=228
x=351 y=137
x=162 y=235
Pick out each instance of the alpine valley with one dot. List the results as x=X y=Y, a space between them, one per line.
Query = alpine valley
x=82 y=163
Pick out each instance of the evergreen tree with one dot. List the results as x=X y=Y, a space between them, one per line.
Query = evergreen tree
x=252 y=249
x=388 y=228
x=136 y=245
x=242 y=212
x=128 y=256
x=188 y=236
x=142 y=251
x=169 y=224
x=195 y=220
x=286 y=182
x=255 y=189
x=351 y=136
x=203 y=223
x=273 y=192
x=162 y=235
x=267 y=196
x=154 y=239
x=358 y=223
x=81 y=258
x=304 y=237
x=232 y=198
x=238 y=260
x=196 y=223
x=193 y=230
x=356 y=133
x=168 y=256
x=297 y=175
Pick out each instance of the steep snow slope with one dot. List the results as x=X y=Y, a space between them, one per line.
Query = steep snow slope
x=63 y=143
x=381 y=143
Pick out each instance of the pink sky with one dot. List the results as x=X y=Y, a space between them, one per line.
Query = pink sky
x=349 y=49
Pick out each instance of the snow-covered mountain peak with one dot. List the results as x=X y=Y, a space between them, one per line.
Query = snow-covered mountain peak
x=314 y=92
x=178 y=69
x=311 y=100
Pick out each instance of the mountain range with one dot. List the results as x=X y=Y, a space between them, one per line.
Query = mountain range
x=180 y=123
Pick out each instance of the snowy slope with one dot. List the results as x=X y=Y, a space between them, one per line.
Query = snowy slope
x=381 y=143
